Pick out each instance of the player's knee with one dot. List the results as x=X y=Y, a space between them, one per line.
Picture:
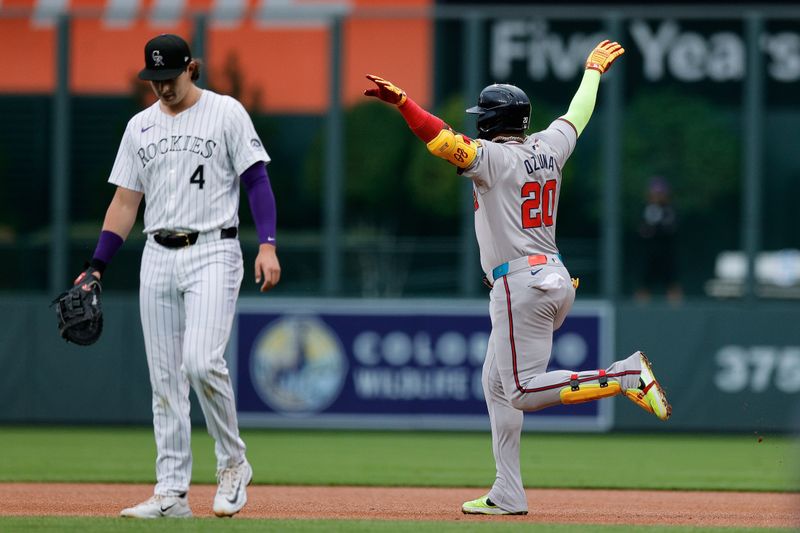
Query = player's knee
x=198 y=369
x=518 y=401
x=489 y=385
x=532 y=401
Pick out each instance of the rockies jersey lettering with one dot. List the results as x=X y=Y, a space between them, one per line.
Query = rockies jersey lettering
x=177 y=143
x=516 y=189
x=188 y=165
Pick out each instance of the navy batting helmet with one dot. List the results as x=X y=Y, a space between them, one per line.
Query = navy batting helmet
x=502 y=108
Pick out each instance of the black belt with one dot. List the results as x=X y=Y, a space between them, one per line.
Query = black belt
x=182 y=240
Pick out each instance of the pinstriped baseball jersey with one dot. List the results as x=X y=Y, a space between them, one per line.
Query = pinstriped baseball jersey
x=188 y=166
x=516 y=187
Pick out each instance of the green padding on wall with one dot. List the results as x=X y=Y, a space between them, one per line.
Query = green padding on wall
x=727 y=367
x=46 y=379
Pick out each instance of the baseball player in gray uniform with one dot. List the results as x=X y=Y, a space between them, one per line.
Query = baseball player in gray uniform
x=187 y=154
x=516 y=185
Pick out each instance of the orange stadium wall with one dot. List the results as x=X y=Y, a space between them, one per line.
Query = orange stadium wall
x=284 y=63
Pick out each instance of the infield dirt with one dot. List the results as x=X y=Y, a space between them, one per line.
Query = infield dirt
x=742 y=509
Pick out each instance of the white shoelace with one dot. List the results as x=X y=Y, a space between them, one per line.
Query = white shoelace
x=228 y=478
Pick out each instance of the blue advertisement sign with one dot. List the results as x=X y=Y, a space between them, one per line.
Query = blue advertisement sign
x=384 y=364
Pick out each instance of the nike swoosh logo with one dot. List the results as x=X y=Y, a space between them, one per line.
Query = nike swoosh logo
x=235 y=494
x=270 y=239
x=165 y=509
x=148 y=127
x=533 y=273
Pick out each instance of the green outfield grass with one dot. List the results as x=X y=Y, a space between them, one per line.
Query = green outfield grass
x=92 y=525
x=650 y=461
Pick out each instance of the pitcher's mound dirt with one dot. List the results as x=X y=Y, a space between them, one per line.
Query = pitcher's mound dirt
x=382 y=503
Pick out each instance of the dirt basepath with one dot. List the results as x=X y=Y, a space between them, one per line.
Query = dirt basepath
x=382 y=503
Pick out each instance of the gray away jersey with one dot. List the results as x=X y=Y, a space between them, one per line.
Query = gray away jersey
x=515 y=189
x=188 y=166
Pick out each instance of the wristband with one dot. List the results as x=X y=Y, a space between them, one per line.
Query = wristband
x=108 y=244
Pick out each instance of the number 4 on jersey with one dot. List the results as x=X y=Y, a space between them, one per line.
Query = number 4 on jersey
x=197 y=177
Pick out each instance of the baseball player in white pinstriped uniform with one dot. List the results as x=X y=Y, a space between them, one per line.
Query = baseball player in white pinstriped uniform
x=516 y=185
x=187 y=154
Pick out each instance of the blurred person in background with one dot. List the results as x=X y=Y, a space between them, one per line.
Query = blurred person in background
x=658 y=227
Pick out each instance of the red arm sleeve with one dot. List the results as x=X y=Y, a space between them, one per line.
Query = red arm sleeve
x=423 y=124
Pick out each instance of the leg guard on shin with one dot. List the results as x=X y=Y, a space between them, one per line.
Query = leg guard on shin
x=577 y=393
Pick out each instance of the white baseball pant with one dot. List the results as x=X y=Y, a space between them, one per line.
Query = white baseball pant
x=187 y=301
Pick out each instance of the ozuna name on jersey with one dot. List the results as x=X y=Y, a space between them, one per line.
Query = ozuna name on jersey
x=540 y=162
x=177 y=143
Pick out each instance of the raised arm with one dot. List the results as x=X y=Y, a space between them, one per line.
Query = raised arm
x=440 y=138
x=582 y=105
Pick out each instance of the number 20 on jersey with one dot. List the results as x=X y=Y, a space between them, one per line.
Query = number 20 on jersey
x=540 y=200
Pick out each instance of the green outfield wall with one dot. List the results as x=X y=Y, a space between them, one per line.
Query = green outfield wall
x=727 y=367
